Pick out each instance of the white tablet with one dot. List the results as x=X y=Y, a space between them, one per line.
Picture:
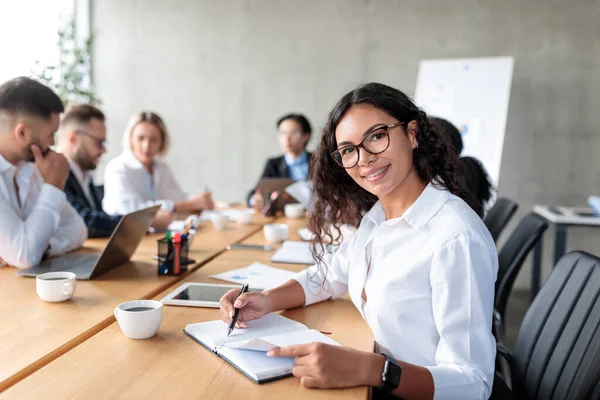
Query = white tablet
x=196 y=294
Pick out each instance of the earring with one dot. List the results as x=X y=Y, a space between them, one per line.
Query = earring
x=416 y=145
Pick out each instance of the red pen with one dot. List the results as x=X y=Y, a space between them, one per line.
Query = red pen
x=177 y=246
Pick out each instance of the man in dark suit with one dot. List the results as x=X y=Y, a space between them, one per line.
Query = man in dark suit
x=82 y=141
x=294 y=134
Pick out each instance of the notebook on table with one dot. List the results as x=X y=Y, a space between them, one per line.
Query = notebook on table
x=246 y=349
x=294 y=252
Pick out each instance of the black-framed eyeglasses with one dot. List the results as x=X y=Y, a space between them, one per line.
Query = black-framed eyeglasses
x=376 y=140
x=99 y=142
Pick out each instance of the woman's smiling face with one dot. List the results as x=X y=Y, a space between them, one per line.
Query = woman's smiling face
x=379 y=173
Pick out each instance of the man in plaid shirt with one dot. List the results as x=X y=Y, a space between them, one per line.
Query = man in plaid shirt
x=82 y=140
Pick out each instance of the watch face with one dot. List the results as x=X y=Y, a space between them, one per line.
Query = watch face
x=391 y=373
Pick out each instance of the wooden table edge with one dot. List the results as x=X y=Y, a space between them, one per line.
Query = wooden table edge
x=71 y=344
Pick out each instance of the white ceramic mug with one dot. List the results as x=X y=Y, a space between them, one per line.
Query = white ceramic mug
x=294 y=210
x=139 y=319
x=219 y=220
x=276 y=232
x=55 y=286
x=245 y=216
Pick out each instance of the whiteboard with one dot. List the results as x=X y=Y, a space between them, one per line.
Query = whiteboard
x=473 y=94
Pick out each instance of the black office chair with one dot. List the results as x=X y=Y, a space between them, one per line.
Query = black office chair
x=557 y=352
x=499 y=215
x=512 y=256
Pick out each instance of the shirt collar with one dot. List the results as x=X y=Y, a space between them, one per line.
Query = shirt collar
x=429 y=202
x=133 y=162
x=301 y=159
x=5 y=165
x=24 y=168
x=82 y=177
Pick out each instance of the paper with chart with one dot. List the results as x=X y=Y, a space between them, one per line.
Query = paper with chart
x=257 y=275
x=473 y=94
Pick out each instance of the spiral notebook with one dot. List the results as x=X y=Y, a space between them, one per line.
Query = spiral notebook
x=246 y=349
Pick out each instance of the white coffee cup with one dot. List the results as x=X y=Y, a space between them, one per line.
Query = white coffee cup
x=219 y=220
x=139 y=319
x=245 y=216
x=295 y=210
x=55 y=286
x=276 y=232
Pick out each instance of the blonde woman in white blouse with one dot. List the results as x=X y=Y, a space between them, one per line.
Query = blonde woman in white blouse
x=420 y=268
x=137 y=178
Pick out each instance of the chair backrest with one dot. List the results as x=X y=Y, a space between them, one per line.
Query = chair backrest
x=512 y=256
x=499 y=215
x=557 y=352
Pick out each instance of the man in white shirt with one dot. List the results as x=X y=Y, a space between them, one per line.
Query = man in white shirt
x=36 y=217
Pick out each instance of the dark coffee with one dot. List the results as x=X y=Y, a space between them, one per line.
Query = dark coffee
x=54 y=279
x=138 y=309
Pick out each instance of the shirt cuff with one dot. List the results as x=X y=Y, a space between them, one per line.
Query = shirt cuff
x=311 y=281
x=53 y=199
x=451 y=382
x=167 y=205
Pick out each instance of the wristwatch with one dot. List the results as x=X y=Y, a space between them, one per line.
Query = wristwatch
x=391 y=375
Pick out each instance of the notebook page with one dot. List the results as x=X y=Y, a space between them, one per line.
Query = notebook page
x=214 y=333
x=267 y=343
x=257 y=275
x=256 y=364
x=251 y=357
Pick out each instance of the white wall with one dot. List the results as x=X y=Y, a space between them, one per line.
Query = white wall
x=221 y=71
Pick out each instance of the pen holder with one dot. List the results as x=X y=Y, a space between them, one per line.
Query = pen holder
x=170 y=261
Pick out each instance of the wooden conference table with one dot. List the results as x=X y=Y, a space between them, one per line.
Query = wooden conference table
x=98 y=361
x=33 y=333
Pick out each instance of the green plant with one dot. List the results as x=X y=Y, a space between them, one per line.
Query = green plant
x=71 y=78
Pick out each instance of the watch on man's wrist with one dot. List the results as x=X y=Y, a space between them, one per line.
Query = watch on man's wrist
x=390 y=375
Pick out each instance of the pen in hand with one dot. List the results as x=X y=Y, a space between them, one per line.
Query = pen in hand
x=237 y=311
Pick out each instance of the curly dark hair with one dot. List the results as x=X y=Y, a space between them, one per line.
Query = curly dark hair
x=338 y=199
x=475 y=180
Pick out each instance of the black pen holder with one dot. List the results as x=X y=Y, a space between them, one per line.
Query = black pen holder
x=168 y=257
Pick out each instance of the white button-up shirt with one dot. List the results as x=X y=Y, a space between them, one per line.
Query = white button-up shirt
x=128 y=186
x=36 y=220
x=429 y=289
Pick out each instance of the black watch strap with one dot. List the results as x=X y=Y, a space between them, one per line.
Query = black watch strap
x=390 y=375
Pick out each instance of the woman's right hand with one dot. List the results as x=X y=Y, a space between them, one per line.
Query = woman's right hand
x=163 y=219
x=251 y=305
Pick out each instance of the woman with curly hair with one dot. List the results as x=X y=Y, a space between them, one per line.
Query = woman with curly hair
x=420 y=268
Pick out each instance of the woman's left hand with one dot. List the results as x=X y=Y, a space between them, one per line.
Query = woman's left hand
x=324 y=366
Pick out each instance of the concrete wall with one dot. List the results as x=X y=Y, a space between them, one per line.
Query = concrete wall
x=221 y=71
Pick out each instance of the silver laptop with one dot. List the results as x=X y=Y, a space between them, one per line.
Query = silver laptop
x=120 y=247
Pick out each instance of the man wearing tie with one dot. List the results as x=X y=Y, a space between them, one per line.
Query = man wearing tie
x=82 y=140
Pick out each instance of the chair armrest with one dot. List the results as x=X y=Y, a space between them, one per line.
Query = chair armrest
x=498 y=327
x=503 y=354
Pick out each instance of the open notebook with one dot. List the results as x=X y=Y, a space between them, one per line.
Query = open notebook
x=246 y=349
